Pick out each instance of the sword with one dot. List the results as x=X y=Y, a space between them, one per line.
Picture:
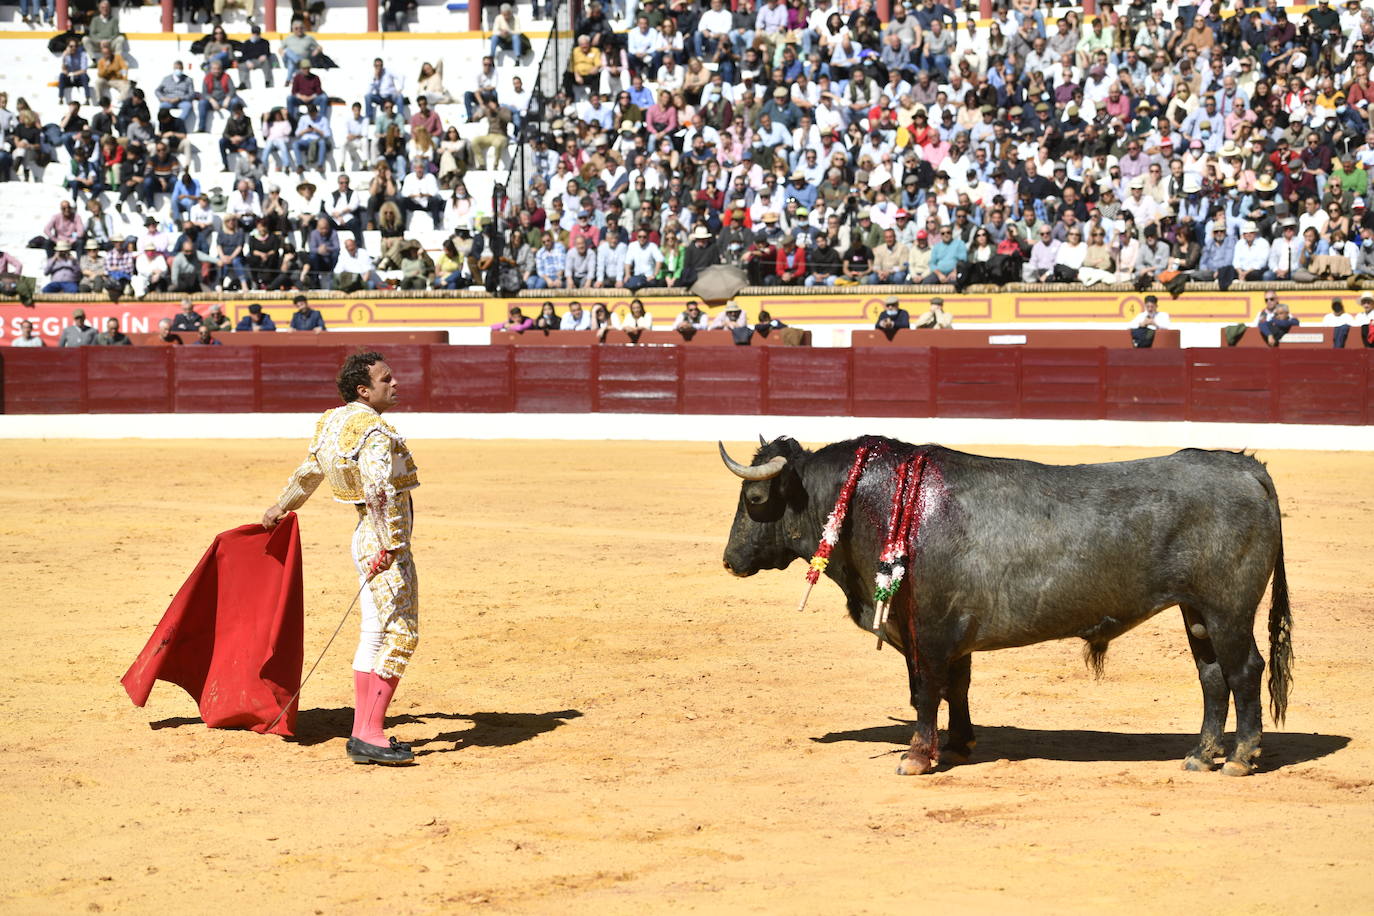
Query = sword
x=372 y=572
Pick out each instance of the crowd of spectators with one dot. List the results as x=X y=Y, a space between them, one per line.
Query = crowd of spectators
x=808 y=142
x=812 y=143
x=128 y=152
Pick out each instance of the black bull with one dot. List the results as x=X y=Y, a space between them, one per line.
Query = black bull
x=1011 y=552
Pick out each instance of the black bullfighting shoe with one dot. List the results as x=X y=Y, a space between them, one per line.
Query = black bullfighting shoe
x=392 y=754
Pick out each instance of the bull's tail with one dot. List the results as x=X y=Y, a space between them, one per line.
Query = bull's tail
x=1280 y=641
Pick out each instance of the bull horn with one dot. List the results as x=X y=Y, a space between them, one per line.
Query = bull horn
x=766 y=471
x=762 y=441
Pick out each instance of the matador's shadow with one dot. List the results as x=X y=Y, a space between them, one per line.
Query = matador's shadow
x=487 y=729
x=1008 y=742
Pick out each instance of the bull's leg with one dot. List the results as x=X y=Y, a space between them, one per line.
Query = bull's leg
x=927 y=684
x=959 y=742
x=1216 y=696
x=1243 y=667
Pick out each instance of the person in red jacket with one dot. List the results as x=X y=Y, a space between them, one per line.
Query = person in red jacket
x=790 y=266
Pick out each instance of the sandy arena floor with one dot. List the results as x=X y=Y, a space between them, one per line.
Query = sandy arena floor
x=608 y=722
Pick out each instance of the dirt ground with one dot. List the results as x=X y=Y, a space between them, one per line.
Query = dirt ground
x=610 y=723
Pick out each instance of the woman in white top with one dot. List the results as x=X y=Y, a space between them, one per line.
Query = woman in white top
x=1069 y=260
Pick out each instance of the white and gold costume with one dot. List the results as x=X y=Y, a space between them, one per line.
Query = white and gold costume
x=368 y=465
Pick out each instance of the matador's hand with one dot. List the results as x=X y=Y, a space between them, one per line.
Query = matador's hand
x=380 y=563
x=272 y=516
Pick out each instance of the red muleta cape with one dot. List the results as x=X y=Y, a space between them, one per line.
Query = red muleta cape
x=233 y=636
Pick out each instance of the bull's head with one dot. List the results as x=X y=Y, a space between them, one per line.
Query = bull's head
x=772 y=489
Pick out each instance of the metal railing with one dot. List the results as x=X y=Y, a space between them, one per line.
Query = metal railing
x=548 y=81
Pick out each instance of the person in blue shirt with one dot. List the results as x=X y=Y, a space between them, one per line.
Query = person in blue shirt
x=945 y=257
x=1217 y=256
x=256 y=320
x=305 y=318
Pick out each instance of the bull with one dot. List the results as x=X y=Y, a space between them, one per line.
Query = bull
x=1009 y=553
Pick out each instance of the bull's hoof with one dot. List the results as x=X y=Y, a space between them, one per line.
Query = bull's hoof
x=909 y=766
x=1198 y=765
x=1237 y=768
x=956 y=755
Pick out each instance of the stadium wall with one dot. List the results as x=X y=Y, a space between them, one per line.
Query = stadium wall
x=1330 y=388
x=1045 y=305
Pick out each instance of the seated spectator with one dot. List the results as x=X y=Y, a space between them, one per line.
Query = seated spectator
x=150 y=271
x=26 y=337
x=276 y=140
x=186 y=269
x=495 y=138
x=33 y=12
x=515 y=323
x=426 y=117
x=690 y=320
x=297 y=48
x=1145 y=324
x=244 y=203
x=789 y=267
x=159 y=174
x=72 y=72
x=947 y=256
x=417 y=270
x=430 y=84
x=306 y=318
x=321 y=255
x=62 y=270
x=84 y=177
x=165 y=336
x=551 y=262
x=890 y=259
x=730 y=319
x=584 y=69
x=1272 y=329
x=112 y=336
x=580 y=265
x=306 y=210
x=78 y=333
x=226 y=252
x=216 y=320
x=1339 y=322
x=353 y=270
x=384 y=86
x=256 y=320
x=575 y=318
x=111 y=72
x=504 y=34
x=238 y=134
x=170 y=130
x=1250 y=257
x=205 y=338
x=357 y=148
x=92 y=266
x=102 y=29
x=306 y=91
x=420 y=191
x=119 y=266
x=548 y=319
x=1068 y=259
x=176 y=91
x=66 y=226
x=188 y=319
x=254 y=54
x=935 y=316
x=893 y=317
x=634 y=322
x=217 y=49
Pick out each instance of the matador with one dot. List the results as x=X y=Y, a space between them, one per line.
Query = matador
x=369 y=467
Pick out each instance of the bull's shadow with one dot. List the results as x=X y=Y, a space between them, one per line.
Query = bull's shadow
x=486 y=729
x=1010 y=742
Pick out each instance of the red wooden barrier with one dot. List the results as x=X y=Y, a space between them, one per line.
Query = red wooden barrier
x=1230 y=385
x=471 y=379
x=1025 y=338
x=892 y=382
x=555 y=379
x=724 y=381
x=44 y=381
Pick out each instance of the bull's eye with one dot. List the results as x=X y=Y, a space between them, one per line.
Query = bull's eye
x=756 y=499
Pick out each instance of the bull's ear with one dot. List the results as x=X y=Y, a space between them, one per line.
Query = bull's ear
x=762 y=441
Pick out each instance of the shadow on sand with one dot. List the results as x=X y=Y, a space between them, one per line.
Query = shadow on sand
x=485 y=729
x=997 y=742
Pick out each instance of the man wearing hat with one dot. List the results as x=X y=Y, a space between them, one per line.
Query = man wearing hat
x=256 y=320
x=1218 y=255
x=78 y=333
x=150 y=269
x=730 y=318
x=893 y=317
x=305 y=89
x=1285 y=251
x=700 y=254
x=63 y=272
x=1251 y=256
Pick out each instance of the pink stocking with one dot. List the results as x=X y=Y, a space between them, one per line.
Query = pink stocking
x=377 y=694
x=360 y=679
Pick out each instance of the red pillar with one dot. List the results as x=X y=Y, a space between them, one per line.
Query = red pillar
x=474 y=15
x=64 y=22
x=885 y=10
x=372 y=15
x=166 y=15
x=269 y=15
x=1089 y=8
x=984 y=9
